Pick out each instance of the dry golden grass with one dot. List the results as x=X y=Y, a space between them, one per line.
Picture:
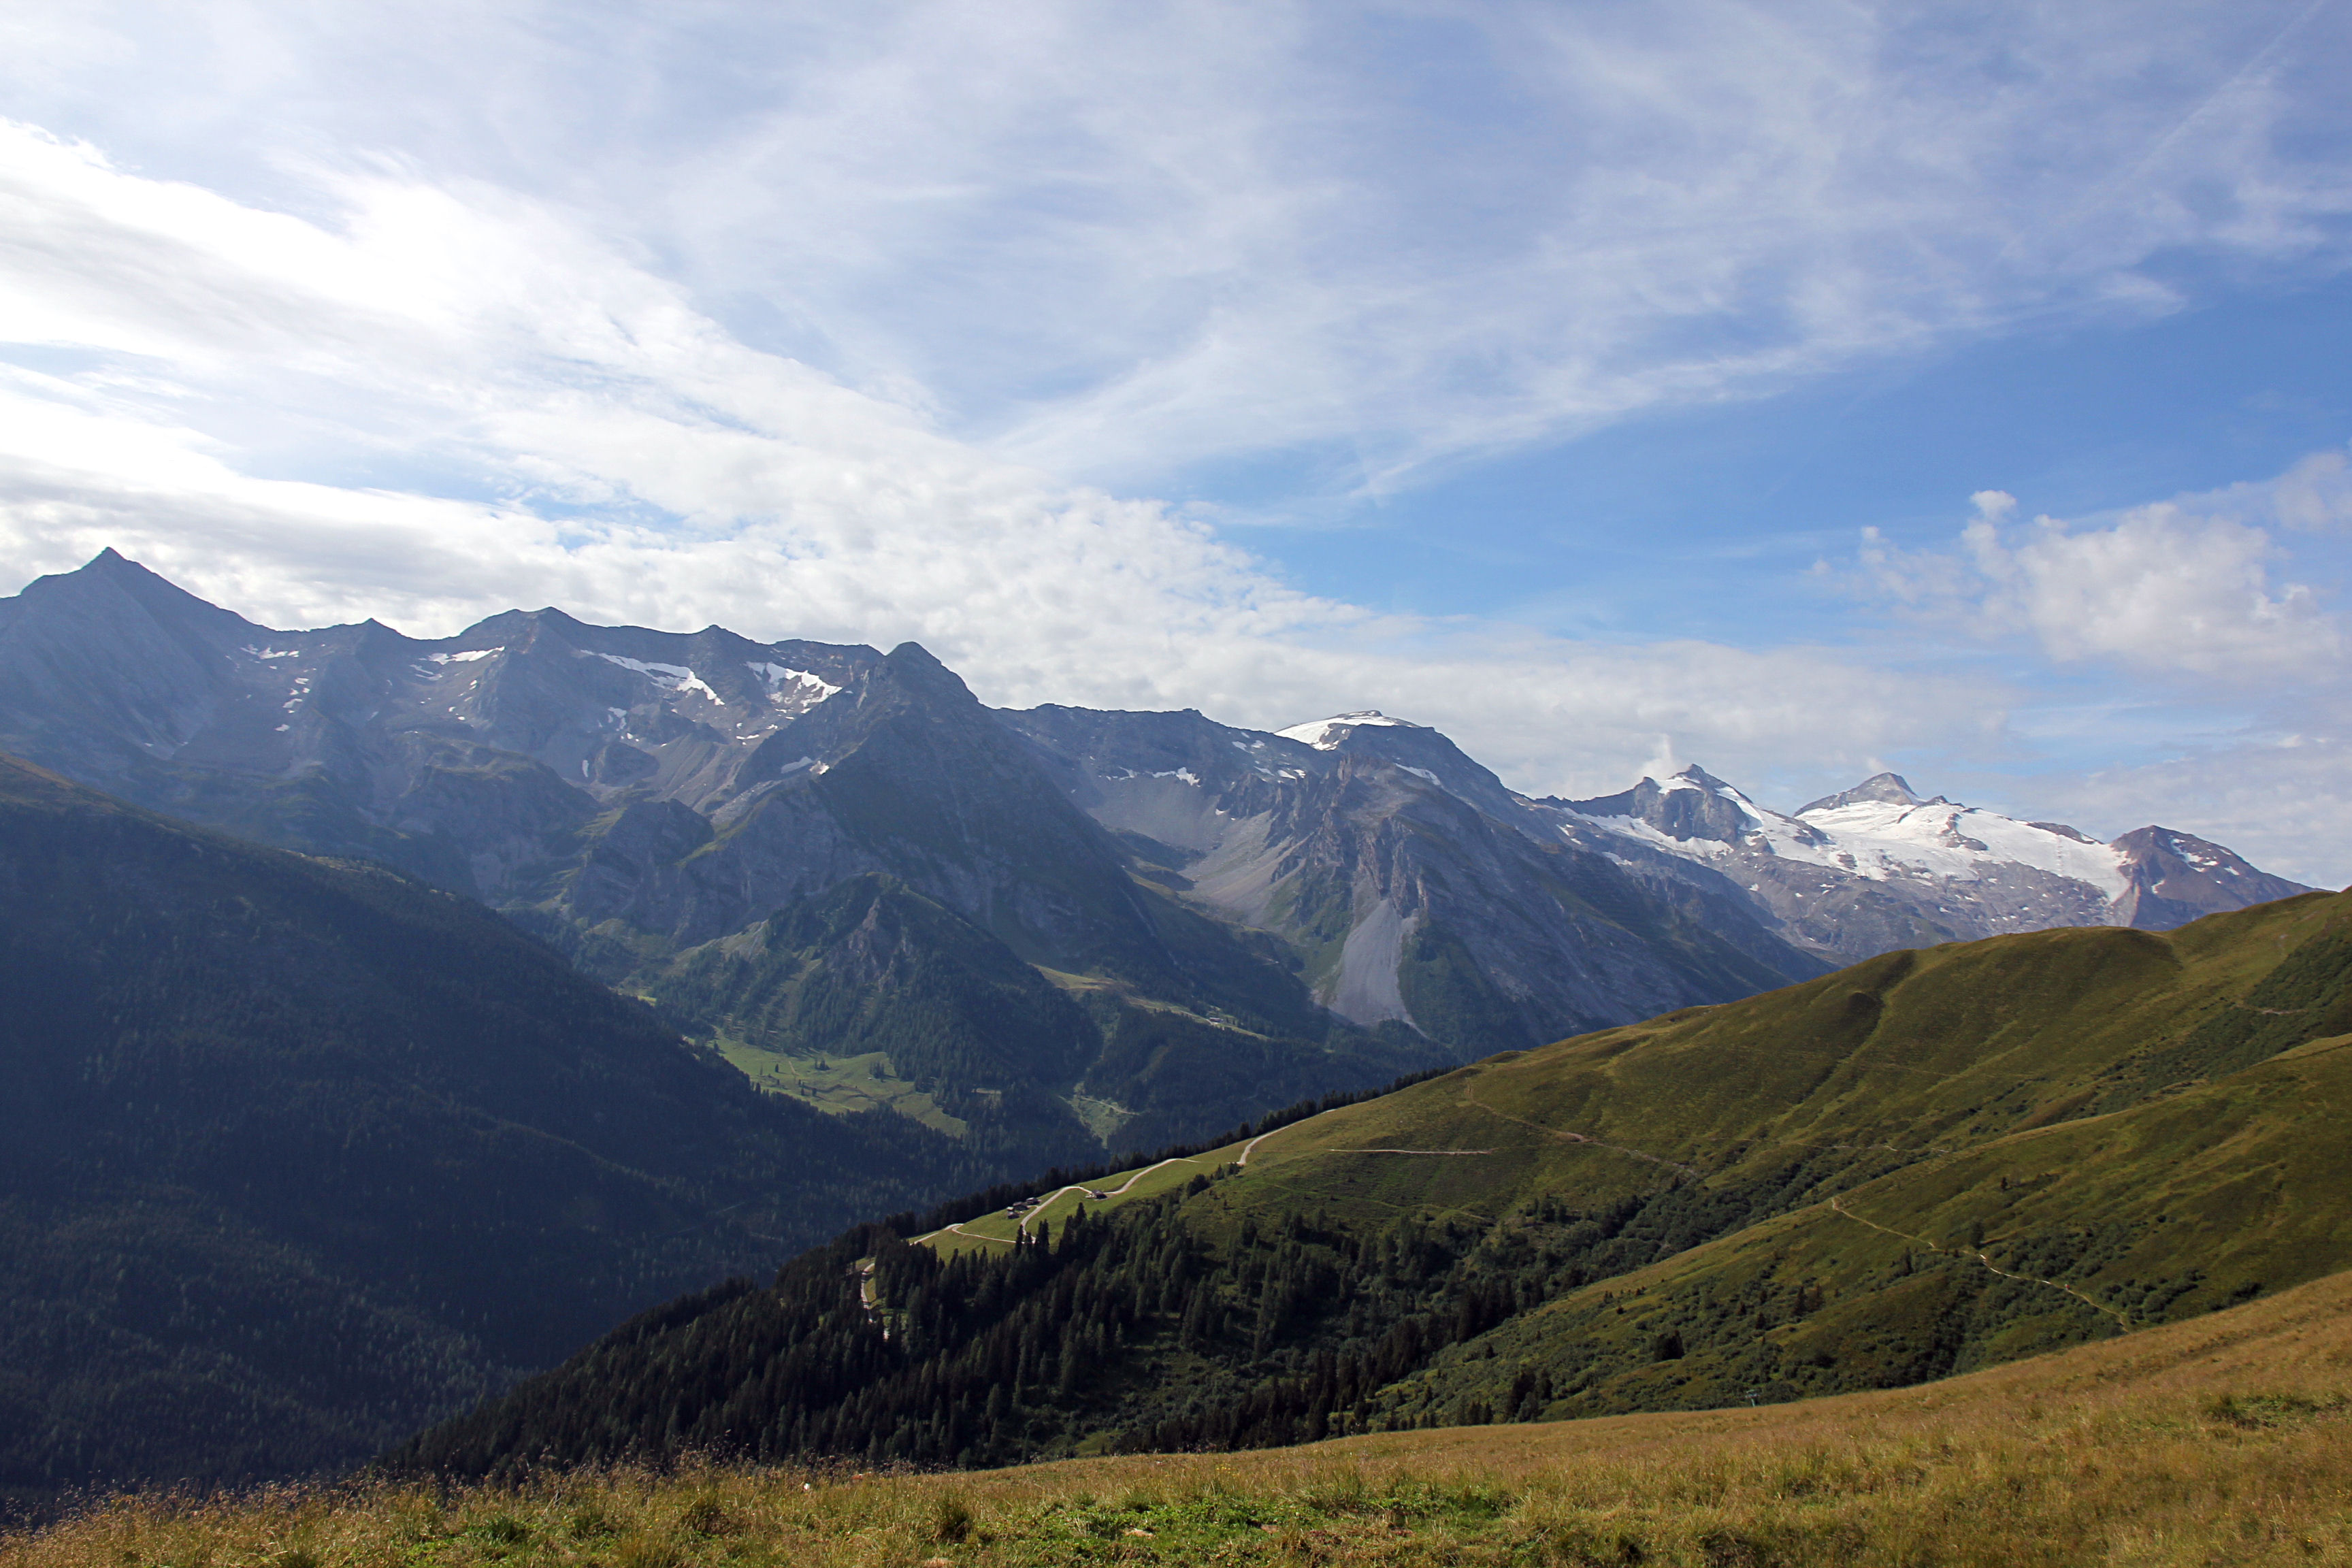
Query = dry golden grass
x=2226 y=1440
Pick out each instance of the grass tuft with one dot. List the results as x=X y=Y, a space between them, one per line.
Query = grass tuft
x=951 y=1518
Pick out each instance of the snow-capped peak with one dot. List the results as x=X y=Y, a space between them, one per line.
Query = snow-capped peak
x=1884 y=828
x=1324 y=734
x=1693 y=813
x=1880 y=829
x=1887 y=789
x=1695 y=777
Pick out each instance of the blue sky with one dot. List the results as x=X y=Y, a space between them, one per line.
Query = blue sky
x=1796 y=388
x=1660 y=527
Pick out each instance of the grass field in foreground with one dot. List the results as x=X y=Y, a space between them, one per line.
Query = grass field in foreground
x=2226 y=1439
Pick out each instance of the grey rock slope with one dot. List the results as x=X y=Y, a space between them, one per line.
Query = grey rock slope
x=1414 y=887
x=2174 y=877
x=868 y=889
x=1877 y=867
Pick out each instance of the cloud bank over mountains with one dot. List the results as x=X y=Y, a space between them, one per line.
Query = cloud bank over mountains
x=893 y=328
x=626 y=457
x=2183 y=587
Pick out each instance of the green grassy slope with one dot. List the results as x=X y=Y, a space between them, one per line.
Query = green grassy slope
x=1930 y=1162
x=296 y=1155
x=1927 y=1162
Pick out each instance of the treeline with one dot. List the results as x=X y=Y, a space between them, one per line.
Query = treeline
x=1128 y=1325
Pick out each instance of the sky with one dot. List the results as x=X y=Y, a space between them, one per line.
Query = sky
x=1796 y=389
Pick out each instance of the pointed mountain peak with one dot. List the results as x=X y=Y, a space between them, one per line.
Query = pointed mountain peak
x=917 y=668
x=1691 y=803
x=1695 y=777
x=1324 y=734
x=914 y=656
x=2176 y=876
x=1885 y=789
x=110 y=566
x=2152 y=841
x=111 y=563
x=111 y=572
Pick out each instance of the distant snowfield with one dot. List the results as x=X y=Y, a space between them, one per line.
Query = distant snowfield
x=1887 y=839
x=1959 y=842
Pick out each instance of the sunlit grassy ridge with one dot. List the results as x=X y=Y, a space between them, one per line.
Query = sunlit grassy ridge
x=2220 y=1440
x=2014 y=1145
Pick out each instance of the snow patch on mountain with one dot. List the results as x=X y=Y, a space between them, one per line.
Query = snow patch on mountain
x=1324 y=734
x=675 y=677
x=778 y=676
x=1962 y=843
x=1879 y=830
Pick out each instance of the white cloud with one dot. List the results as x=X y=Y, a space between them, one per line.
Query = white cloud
x=1115 y=241
x=2176 y=588
x=2228 y=706
x=592 y=440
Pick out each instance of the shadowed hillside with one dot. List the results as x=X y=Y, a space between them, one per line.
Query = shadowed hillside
x=297 y=1154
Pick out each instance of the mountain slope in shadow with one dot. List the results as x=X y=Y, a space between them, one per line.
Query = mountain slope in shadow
x=297 y=1153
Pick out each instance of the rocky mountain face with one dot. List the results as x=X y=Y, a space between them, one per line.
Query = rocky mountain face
x=1038 y=932
x=1413 y=885
x=1876 y=867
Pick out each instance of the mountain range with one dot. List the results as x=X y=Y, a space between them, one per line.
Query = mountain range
x=395 y=1019
x=1876 y=867
x=1043 y=934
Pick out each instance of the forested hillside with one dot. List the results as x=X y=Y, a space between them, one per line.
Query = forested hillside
x=1931 y=1161
x=297 y=1154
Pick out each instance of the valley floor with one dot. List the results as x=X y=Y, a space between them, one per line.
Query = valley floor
x=2224 y=1440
